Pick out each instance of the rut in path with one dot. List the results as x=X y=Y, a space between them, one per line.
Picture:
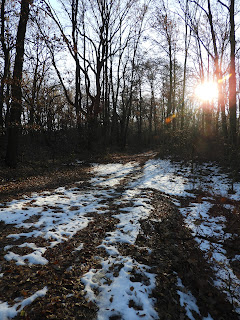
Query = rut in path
x=66 y=265
x=103 y=241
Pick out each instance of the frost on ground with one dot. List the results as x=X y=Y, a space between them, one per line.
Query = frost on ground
x=121 y=287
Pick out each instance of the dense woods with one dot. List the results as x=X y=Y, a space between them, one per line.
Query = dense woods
x=104 y=75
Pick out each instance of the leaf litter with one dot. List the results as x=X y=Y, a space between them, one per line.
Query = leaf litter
x=145 y=240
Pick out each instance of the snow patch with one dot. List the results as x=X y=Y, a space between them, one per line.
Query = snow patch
x=7 y=311
x=118 y=295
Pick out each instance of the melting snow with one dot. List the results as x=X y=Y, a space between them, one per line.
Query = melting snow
x=7 y=312
x=203 y=227
x=111 y=288
x=111 y=174
x=58 y=215
x=117 y=295
x=188 y=301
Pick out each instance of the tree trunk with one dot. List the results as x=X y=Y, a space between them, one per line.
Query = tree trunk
x=16 y=106
x=232 y=80
x=6 y=52
x=151 y=112
x=78 y=93
x=218 y=73
x=139 y=117
x=169 y=105
x=186 y=47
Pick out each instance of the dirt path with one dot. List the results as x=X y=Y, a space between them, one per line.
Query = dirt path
x=157 y=245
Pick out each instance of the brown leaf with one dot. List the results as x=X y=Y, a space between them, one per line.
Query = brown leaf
x=90 y=305
x=24 y=293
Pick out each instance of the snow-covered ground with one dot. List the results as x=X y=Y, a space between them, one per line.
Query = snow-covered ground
x=59 y=215
x=174 y=179
x=8 y=312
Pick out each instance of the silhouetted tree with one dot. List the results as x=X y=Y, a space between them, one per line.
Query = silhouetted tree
x=14 y=127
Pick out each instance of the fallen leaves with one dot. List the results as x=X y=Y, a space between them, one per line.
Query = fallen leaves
x=24 y=293
x=169 y=255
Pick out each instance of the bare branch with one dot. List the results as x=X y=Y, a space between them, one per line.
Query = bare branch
x=196 y=2
x=224 y=5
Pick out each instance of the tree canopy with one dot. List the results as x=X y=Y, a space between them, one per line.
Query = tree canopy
x=98 y=74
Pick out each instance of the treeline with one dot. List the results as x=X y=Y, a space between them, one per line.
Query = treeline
x=87 y=74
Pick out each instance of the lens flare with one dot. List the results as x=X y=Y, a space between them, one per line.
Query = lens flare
x=225 y=78
x=170 y=119
x=206 y=91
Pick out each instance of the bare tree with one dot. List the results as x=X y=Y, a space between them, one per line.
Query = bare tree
x=166 y=27
x=187 y=42
x=16 y=105
x=232 y=73
x=7 y=45
x=129 y=75
x=216 y=55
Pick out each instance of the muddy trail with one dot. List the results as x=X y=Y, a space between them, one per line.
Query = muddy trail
x=113 y=246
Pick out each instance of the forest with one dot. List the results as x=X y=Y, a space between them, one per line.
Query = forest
x=119 y=159
x=85 y=75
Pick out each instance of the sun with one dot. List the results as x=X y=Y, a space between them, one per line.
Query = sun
x=206 y=91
